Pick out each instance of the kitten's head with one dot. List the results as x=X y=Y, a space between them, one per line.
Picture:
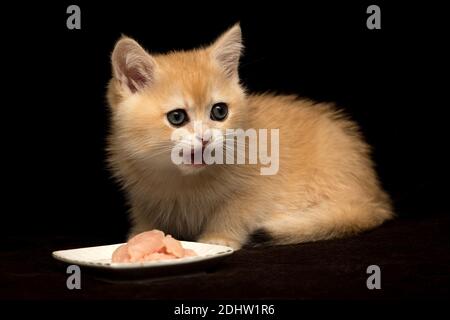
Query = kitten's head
x=154 y=96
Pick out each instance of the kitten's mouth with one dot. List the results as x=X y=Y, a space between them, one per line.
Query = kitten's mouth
x=197 y=155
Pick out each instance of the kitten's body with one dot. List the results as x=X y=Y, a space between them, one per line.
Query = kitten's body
x=326 y=186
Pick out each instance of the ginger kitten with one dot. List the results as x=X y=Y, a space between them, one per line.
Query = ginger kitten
x=324 y=187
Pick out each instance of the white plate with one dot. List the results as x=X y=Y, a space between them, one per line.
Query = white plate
x=99 y=260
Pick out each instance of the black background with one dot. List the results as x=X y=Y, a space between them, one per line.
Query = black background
x=55 y=118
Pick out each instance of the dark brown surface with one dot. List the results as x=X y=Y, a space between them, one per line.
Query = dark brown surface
x=413 y=255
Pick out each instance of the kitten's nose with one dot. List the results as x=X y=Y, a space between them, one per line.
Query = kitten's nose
x=203 y=140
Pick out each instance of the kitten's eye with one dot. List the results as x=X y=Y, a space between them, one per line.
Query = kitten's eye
x=177 y=117
x=219 y=111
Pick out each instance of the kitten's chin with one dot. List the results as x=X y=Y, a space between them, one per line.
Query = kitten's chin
x=189 y=169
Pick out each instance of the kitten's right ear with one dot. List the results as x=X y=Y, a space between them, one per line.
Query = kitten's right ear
x=132 y=66
x=227 y=50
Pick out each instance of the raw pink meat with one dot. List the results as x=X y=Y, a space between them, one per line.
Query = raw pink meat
x=159 y=256
x=173 y=246
x=151 y=246
x=144 y=243
x=121 y=254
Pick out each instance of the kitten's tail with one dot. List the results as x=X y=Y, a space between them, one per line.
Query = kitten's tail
x=321 y=223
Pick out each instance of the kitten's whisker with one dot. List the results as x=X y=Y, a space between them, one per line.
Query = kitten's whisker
x=228 y=156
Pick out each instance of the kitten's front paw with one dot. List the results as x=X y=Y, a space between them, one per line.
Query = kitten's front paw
x=220 y=240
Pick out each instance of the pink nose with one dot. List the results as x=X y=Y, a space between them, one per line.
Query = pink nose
x=203 y=140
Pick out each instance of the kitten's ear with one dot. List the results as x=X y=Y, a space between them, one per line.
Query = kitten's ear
x=227 y=49
x=132 y=66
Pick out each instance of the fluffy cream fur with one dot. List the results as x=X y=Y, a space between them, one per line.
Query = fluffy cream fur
x=326 y=186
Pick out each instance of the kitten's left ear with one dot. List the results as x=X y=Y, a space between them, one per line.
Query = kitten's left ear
x=132 y=66
x=227 y=50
